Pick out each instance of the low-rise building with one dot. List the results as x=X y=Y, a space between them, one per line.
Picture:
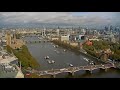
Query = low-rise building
x=94 y=39
x=55 y=38
x=65 y=37
x=89 y=43
x=10 y=71
x=8 y=66
x=73 y=43
x=72 y=37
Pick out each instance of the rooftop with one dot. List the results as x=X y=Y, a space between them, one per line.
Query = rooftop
x=8 y=71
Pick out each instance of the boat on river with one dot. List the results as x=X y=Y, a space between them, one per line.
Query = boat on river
x=47 y=57
x=49 y=61
x=64 y=50
x=70 y=65
x=53 y=45
x=56 y=46
x=52 y=61
x=86 y=59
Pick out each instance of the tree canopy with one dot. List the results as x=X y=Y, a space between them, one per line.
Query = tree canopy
x=24 y=56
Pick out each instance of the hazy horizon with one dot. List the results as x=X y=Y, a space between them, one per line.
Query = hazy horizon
x=29 y=19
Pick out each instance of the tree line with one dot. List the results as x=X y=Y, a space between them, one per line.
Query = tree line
x=102 y=45
x=24 y=56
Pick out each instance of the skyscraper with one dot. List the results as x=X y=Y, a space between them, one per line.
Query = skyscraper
x=44 y=31
x=106 y=28
x=111 y=29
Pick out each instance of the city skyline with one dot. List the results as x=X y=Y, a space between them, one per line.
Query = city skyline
x=60 y=52
x=72 y=18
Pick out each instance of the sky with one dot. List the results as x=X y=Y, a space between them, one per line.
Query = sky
x=80 y=18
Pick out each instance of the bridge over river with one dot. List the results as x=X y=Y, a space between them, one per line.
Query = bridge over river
x=72 y=70
x=37 y=41
x=63 y=59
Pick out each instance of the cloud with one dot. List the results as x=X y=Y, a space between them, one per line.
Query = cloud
x=11 y=17
x=59 y=17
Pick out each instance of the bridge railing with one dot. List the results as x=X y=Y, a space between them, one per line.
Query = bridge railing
x=72 y=69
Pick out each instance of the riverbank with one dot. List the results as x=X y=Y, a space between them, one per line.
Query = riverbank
x=74 y=49
x=66 y=46
x=33 y=75
x=24 y=56
x=61 y=60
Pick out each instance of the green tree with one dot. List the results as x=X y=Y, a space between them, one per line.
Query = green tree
x=25 y=57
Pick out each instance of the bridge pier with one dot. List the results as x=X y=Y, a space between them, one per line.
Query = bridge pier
x=101 y=69
x=106 y=69
x=71 y=73
x=53 y=75
x=89 y=71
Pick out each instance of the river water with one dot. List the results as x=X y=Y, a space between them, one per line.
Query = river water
x=63 y=59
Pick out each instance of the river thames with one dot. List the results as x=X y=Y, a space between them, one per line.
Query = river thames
x=64 y=59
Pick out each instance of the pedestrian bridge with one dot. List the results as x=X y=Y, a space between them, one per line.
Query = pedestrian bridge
x=72 y=70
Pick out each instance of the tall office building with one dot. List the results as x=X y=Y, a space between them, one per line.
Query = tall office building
x=44 y=31
x=111 y=29
x=118 y=30
x=106 y=28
